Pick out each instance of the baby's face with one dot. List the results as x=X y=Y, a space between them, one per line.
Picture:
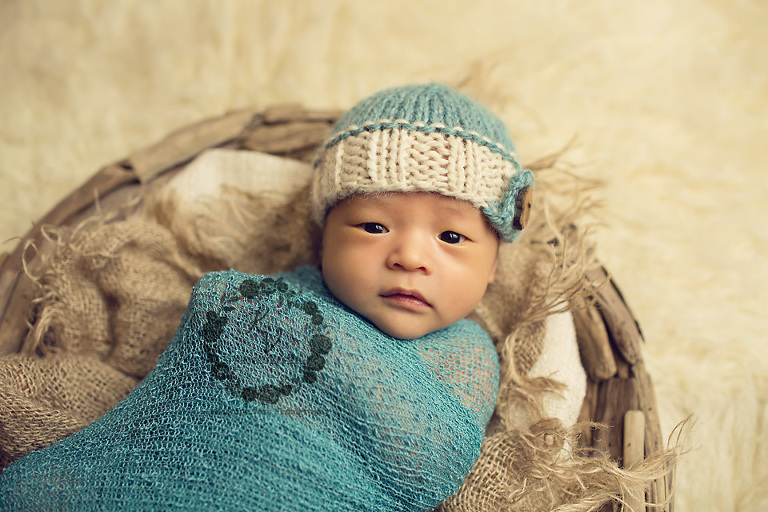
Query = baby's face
x=411 y=263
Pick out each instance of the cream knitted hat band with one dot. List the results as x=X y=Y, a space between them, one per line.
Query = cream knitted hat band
x=403 y=160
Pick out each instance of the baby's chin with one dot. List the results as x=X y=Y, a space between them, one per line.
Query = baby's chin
x=406 y=330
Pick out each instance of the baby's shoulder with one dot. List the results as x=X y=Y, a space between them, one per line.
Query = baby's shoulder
x=465 y=338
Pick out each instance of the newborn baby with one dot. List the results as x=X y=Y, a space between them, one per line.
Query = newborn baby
x=358 y=385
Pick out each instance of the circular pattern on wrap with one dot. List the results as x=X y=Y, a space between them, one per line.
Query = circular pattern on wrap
x=266 y=342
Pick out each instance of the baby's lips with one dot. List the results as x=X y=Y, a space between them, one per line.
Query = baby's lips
x=406 y=293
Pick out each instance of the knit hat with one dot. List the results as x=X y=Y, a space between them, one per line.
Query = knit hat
x=425 y=138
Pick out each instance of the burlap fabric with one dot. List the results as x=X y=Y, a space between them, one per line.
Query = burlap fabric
x=46 y=399
x=109 y=301
x=98 y=303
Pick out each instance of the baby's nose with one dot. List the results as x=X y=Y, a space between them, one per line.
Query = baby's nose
x=410 y=253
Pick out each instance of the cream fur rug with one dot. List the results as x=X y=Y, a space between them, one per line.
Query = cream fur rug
x=668 y=101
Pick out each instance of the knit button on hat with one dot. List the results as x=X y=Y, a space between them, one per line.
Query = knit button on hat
x=425 y=138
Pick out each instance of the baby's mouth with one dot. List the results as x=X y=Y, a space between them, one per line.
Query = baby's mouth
x=406 y=297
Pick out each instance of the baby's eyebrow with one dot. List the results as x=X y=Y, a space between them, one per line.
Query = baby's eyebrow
x=454 y=211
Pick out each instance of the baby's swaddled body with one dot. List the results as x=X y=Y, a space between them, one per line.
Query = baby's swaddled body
x=274 y=396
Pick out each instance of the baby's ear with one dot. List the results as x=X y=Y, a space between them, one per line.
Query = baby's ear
x=492 y=275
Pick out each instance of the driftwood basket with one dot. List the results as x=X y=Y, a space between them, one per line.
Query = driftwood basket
x=619 y=390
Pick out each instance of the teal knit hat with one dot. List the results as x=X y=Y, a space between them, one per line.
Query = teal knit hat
x=425 y=138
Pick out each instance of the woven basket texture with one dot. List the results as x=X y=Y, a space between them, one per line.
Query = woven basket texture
x=64 y=366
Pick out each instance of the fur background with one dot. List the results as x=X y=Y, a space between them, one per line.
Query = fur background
x=667 y=101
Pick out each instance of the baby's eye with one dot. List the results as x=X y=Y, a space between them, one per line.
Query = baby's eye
x=374 y=228
x=451 y=237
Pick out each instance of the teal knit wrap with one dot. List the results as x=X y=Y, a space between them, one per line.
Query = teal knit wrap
x=424 y=138
x=273 y=396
